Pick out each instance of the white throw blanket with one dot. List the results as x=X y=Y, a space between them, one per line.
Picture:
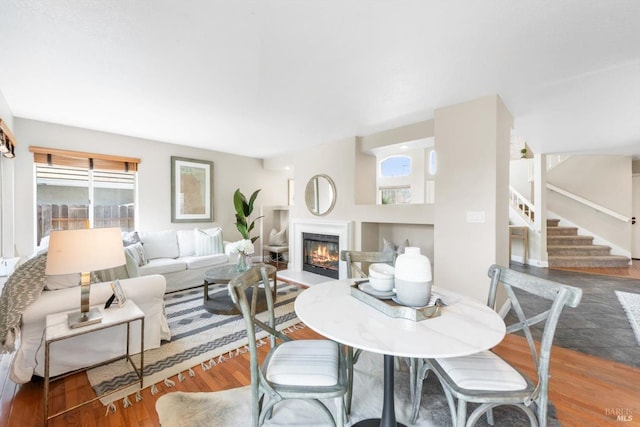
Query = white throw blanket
x=23 y=287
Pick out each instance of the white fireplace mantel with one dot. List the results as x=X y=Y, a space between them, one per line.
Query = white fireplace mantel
x=342 y=229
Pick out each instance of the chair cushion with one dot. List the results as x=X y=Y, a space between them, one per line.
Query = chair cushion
x=162 y=266
x=276 y=249
x=483 y=371
x=304 y=363
x=194 y=262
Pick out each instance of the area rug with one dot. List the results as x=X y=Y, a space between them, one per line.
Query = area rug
x=232 y=407
x=631 y=304
x=197 y=338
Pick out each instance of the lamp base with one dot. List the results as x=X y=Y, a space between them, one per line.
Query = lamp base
x=79 y=318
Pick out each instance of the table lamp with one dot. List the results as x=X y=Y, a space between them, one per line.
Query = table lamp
x=84 y=251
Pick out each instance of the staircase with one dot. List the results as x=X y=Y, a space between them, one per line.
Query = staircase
x=565 y=248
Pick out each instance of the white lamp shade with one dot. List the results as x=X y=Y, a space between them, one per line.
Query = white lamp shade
x=78 y=251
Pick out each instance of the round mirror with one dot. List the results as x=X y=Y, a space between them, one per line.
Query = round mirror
x=320 y=195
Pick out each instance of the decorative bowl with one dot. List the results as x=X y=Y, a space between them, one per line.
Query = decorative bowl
x=381 y=270
x=385 y=284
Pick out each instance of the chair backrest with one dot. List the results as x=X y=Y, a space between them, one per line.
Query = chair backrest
x=352 y=258
x=250 y=281
x=560 y=295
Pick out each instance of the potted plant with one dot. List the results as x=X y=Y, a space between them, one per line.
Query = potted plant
x=244 y=208
x=523 y=153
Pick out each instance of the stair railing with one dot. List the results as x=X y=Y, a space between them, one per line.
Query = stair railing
x=522 y=205
x=589 y=203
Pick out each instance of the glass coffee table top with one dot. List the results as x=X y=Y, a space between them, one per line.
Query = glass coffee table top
x=216 y=294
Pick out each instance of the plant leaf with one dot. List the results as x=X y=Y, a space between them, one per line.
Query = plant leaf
x=238 y=201
x=251 y=200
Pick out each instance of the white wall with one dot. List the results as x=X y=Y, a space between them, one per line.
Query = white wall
x=7 y=211
x=602 y=179
x=154 y=176
x=337 y=159
x=520 y=172
x=472 y=142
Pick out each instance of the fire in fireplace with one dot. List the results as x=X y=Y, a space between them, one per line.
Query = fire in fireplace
x=321 y=254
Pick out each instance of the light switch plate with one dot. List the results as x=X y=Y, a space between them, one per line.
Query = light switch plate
x=476 y=217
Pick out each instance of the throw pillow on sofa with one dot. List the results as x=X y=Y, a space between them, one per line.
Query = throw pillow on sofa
x=208 y=242
x=186 y=244
x=130 y=238
x=160 y=244
x=137 y=253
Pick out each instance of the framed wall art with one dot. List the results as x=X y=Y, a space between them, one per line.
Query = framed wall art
x=191 y=190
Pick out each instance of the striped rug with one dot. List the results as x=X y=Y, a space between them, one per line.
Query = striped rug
x=631 y=304
x=199 y=340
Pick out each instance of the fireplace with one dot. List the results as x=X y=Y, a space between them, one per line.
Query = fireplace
x=321 y=254
x=340 y=228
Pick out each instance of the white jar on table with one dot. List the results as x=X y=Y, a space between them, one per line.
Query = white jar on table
x=413 y=278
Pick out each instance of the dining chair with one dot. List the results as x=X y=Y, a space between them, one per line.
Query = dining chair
x=487 y=379
x=292 y=369
x=357 y=261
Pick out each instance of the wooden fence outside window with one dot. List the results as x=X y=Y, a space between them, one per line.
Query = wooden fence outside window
x=73 y=217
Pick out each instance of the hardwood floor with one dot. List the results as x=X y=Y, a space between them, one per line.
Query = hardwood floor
x=585 y=390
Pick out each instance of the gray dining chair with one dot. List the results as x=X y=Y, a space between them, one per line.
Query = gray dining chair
x=293 y=369
x=487 y=379
x=357 y=262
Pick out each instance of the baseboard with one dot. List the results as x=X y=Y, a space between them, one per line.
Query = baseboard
x=529 y=261
x=505 y=308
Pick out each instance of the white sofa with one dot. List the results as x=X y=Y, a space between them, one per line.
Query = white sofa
x=170 y=260
x=181 y=256
x=86 y=350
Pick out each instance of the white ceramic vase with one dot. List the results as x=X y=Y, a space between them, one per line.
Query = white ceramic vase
x=413 y=278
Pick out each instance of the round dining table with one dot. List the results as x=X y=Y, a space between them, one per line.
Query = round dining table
x=464 y=327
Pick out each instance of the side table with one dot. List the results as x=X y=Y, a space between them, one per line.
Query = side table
x=220 y=302
x=57 y=329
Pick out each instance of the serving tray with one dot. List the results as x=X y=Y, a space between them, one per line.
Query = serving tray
x=393 y=309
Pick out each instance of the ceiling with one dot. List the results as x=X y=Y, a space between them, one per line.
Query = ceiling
x=265 y=77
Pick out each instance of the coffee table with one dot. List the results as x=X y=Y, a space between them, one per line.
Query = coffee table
x=218 y=301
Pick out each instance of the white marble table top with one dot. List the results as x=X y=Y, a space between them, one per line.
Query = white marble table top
x=463 y=328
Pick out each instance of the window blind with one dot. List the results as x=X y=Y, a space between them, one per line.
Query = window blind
x=78 y=159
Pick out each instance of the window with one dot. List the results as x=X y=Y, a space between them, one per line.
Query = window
x=395 y=195
x=80 y=190
x=72 y=198
x=394 y=182
x=433 y=162
x=395 y=166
